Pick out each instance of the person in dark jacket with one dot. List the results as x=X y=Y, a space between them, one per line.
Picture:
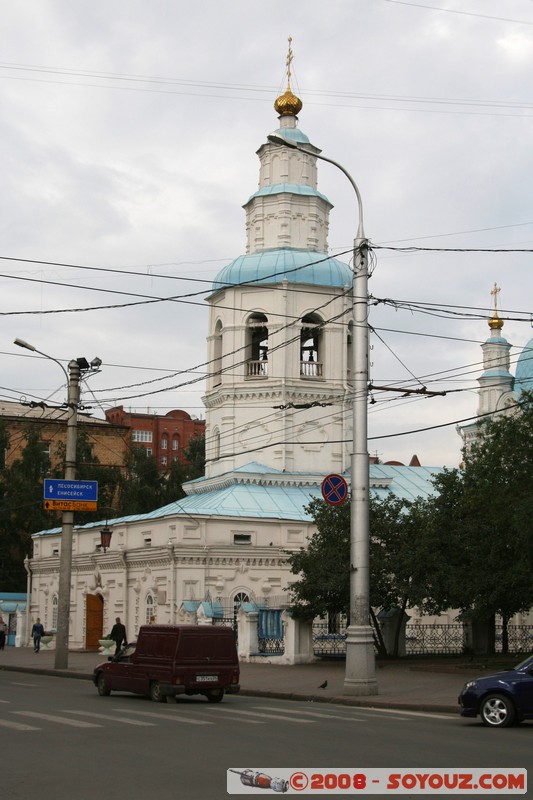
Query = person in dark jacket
x=118 y=634
x=37 y=633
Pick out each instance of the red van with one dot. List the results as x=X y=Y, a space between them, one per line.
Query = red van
x=167 y=660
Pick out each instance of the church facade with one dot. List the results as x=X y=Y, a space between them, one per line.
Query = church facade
x=278 y=420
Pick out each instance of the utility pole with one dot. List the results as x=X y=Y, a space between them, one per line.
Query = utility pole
x=67 y=521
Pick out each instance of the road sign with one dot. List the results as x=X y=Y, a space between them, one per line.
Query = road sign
x=334 y=490
x=69 y=505
x=75 y=491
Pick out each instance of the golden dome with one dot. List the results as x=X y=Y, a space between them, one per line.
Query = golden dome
x=288 y=104
x=495 y=324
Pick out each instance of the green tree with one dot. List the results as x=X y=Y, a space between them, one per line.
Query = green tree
x=89 y=468
x=195 y=456
x=481 y=525
x=21 y=511
x=143 y=488
x=397 y=577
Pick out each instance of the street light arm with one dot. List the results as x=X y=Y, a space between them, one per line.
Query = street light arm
x=280 y=140
x=28 y=346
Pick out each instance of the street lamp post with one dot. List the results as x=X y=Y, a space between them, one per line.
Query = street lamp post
x=360 y=676
x=75 y=368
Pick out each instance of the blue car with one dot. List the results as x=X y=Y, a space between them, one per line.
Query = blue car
x=502 y=699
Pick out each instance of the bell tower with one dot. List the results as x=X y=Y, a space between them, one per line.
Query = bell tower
x=280 y=330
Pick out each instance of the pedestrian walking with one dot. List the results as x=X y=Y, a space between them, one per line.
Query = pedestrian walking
x=118 y=634
x=37 y=633
x=2 y=633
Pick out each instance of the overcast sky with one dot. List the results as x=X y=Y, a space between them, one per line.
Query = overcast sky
x=129 y=131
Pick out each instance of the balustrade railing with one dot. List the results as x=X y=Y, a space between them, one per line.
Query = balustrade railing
x=257 y=369
x=311 y=369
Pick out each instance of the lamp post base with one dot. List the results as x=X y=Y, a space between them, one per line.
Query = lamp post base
x=360 y=676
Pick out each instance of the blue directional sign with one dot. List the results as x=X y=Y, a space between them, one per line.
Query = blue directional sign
x=334 y=490
x=75 y=491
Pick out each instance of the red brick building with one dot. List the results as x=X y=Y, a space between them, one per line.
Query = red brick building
x=164 y=437
x=109 y=441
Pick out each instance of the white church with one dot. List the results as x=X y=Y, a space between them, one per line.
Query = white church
x=278 y=420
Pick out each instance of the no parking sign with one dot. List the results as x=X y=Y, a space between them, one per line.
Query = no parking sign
x=334 y=489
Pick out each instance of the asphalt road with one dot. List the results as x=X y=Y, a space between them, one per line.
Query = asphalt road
x=61 y=741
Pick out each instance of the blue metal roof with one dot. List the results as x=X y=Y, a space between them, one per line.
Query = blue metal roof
x=276 y=265
x=524 y=370
x=290 y=188
x=276 y=495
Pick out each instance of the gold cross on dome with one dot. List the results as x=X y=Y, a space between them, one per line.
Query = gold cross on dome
x=289 y=62
x=495 y=291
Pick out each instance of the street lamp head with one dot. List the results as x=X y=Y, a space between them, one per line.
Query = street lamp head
x=276 y=138
x=105 y=537
x=22 y=343
x=96 y=363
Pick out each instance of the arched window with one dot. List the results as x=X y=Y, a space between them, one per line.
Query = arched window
x=310 y=347
x=257 y=346
x=349 y=353
x=164 y=442
x=217 y=354
x=175 y=443
x=216 y=443
x=150 y=608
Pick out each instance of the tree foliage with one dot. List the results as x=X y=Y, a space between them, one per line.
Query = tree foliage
x=323 y=567
x=481 y=523
x=139 y=487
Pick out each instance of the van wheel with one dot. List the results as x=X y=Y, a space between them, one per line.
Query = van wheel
x=215 y=695
x=103 y=688
x=155 y=693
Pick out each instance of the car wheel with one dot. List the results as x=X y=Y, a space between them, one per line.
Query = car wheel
x=497 y=711
x=215 y=695
x=103 y=688
x=156 y=694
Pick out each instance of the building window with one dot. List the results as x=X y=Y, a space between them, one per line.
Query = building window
x=349 y=353
x=310 y=347
x=257 y=346
x=175 y=443
x=148 y=451
x=216 y=443
x=164 y=460
x=217 y=354
x=164 y=443
x=141 y=436
x=150 y=606
x=242 y=538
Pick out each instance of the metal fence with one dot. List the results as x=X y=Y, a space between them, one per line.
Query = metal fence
x=520 y=638
x=329 y=641
x=443 y=639
x=434 y=639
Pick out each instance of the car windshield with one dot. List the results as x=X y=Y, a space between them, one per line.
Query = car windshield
x=524 y=665
x=125 y=653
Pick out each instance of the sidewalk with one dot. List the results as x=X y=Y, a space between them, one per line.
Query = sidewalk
x=400 y=685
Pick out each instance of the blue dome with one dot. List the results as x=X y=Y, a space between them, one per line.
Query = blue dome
x=273 y=266
x=524 y=370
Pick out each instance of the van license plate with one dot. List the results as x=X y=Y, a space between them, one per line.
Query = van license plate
x=207 y=678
